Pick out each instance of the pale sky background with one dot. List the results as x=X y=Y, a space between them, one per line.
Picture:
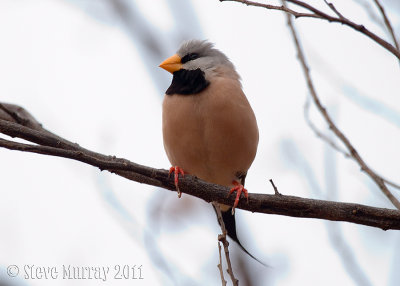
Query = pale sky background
x=86 y=75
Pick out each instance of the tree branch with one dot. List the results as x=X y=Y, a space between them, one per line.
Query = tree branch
x=48 y=143
x=225 y=243
x=316 y=13
x=221 y=271
x=380 y=182
x=319 y=134
x=275 y=7
x=387 y=24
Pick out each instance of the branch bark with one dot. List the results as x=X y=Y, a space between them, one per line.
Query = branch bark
x=47 y=143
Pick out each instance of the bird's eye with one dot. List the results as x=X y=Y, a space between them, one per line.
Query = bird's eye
x=189 y=57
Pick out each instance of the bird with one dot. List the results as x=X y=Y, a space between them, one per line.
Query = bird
x=209 y=128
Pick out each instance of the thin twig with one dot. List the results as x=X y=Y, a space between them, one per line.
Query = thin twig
x=333 y=8
x=277 y=193
x=352 y=151
x=316 y=13
x=319 y=134
x=221 y=271
x=225 y=243
x=387 y=24
x=334 y=145
x=371 y=13
x=47 y=143
x=391 y=183
x=343 y=82
x=360 y=28
x=275 y=7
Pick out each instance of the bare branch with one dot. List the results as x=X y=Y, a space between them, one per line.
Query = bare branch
x=325 y=138
x=387 y=24
x=18 y=114
x=221 y=271
x=275 y=7
x=319 y=134
x=316 y=13
x=53 y=145
x=391 y=183
x=275 y=188
x=351 y=150
x=333 y=8
x=225 y=243
x=371 y=13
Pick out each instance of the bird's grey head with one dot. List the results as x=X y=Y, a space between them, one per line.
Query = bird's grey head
x=197 y=54
x=194 y=67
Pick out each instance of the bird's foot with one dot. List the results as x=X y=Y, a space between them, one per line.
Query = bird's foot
x=177 y=170
x=239 y=188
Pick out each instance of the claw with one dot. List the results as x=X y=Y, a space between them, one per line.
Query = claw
x=177 y=170
x=239 y=188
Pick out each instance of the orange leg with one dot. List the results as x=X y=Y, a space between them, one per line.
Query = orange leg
x=177 y=170
x=239 y=188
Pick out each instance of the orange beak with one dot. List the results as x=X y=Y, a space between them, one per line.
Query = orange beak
x=172 y=64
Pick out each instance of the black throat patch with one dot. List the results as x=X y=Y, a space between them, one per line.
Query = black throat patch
x=187 y=82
